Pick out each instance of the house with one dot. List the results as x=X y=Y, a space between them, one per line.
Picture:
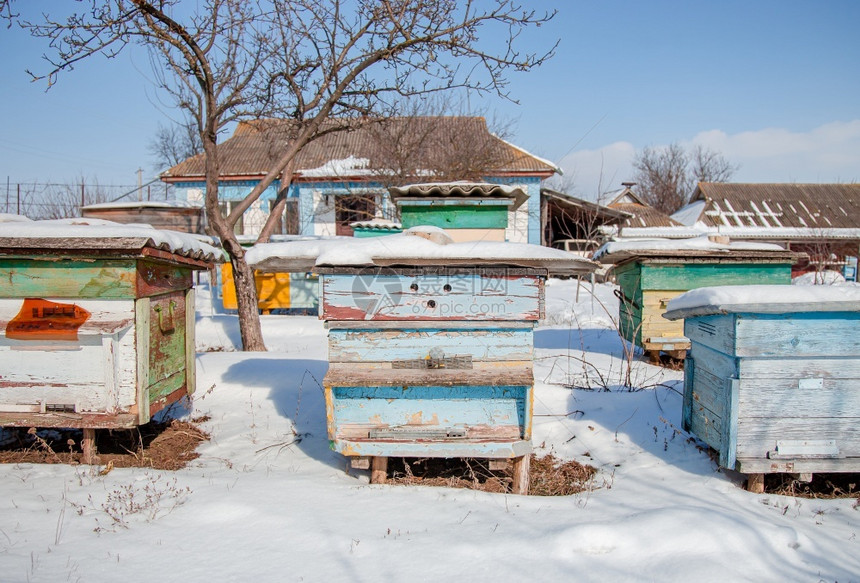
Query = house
x=342 y=177
x=642 y=215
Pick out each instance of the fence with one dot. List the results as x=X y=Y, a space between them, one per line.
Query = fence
x=47 y=200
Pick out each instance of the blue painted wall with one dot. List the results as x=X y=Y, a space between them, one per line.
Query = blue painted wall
x=311 y=214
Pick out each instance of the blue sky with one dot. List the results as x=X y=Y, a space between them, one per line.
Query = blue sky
x=773 y=85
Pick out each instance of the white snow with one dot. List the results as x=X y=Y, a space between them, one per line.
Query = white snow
x=689 y=214
x=166 y=204
x=350 y=166
x=90 y=228
x=13 y=218
x=415 y=244
x=701 y=242
x=268 y=501
x=781 y=295
x=826 y=277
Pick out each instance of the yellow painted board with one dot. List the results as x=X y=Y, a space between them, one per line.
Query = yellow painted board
x=273 y=289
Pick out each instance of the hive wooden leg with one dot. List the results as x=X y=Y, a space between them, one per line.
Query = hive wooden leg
x=755 y=483
x=379 y=470
x=88 y=445
x=521 y=475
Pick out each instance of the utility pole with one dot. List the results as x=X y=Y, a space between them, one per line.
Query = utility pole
x=139 y=184
x=83 y=202
x=7 y=194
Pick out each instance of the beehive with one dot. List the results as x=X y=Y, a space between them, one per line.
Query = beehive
x=772 y=381
x=430 y=345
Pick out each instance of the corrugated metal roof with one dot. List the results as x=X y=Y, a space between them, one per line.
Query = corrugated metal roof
x=255 y=146
x=644 y=216
x=811 y=206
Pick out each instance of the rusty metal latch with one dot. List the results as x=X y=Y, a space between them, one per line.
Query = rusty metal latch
x=166 y=322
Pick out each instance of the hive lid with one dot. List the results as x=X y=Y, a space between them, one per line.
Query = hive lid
x=764 y=299
x=702 y=248
x=415 y=247
x=96 y=237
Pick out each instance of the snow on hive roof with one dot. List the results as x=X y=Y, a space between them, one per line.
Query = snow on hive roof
x=694 y=248
x=159 y=204
x=780 y=299
x=418 y=246
x=81 y=236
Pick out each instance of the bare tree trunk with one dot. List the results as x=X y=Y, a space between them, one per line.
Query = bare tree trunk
x=243 y=276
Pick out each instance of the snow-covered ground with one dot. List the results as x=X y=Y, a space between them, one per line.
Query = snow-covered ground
x=268 y=501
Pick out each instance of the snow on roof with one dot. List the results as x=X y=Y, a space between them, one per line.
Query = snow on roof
x=773 y=299
x=615 y=250
x=165 y=204
x=417 y=246
x=689 y=214
x=83 y=234
x=12 y=218
x=350 y=166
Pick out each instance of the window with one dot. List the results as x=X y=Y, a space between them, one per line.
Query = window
x=352 y=208
x=289 y=221
x=226 y=207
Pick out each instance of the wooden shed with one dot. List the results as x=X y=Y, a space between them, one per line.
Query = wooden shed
x=430 y=344
x=772 y=381
x=97 y=321
x=186 y=217
x=650 y=273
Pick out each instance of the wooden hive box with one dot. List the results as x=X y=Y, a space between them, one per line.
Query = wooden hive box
x=774 y=387
x=649 y=278
x=97 y=321
x=431 y=347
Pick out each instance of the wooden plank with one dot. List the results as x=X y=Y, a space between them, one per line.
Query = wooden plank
x=155 y=278
x=143 y=325
x=715 y=332
x=88 y=445
x=190 y=345
x=482 y=373
x=684 y=276
x=67 y=278
x=68 y=420
x=728 y=450
x=467 y=297
x=758 y=437
x=844 y=367
x=764 y=398
x=404 y=344
x=486 y=407
x=379 y=470
x=707 y=426
x=811 y=334
x=521 y=475
x=445 y=217
x=813 y=466
x=428 y=325
x=474 y=448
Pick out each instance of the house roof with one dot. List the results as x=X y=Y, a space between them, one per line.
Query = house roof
x=802 y=206
x=606 y=215
x=358 y=150
x=644 y=216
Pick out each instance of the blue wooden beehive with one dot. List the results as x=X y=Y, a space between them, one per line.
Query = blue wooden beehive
x=430 y=346
x=773 y=383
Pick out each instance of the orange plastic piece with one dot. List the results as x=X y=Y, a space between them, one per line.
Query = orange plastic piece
x=44 y=320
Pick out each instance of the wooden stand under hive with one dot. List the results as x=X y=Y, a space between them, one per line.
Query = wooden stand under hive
x=433 y=357
x=98 y=326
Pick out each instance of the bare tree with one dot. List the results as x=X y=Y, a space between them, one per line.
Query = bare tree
x=174 y=143
x=668 y=176
x=308 y=60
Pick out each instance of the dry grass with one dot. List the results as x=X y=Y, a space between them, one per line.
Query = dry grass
x=548 y=476
x=164 y=446
x=821 y=486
